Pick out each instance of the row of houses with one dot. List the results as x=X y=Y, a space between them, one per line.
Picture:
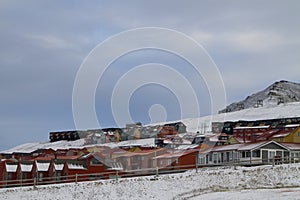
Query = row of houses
x=97 y=164
x=130 y=132
x=100 y=163
x=242 y=142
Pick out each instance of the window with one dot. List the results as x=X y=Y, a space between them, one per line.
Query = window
x=95 y=161
x=24 y=176
x=9 y=176
x=154 y=163
x=41 y=175
x=169 y=161
x=245 y=154
x=256 y=153
x=272 y=154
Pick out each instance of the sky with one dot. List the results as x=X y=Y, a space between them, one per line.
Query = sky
x=44 y=44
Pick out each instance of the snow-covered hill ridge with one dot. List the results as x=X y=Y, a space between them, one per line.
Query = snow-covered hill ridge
x=172 y=186
x=278 y=92
x=194 y=125
x=203 y=124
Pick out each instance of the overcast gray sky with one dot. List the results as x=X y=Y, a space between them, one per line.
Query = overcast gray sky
x=43 y=43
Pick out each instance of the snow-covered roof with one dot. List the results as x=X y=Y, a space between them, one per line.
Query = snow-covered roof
x=281 y=135
x=229 y=147
x=58 y=167
x=75 y=166
x=42 y=166
x=190 y=146
x=292 y=146
x=251 y=127
x=116 y=166
x=258 y=145
x=11 y=167
x=26 y=167
x=292 y=125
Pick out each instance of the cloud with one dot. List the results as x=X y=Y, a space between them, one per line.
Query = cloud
x=256 y=41
x=44 y=42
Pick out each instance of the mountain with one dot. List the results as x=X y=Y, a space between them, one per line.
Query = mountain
x=278 y=93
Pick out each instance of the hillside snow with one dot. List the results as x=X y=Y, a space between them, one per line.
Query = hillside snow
x=194 y=125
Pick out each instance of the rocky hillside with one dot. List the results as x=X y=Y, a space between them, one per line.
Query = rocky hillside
x=277 y=93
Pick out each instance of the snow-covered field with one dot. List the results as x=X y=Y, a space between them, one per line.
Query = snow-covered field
x=274 y=194
x=209 y=183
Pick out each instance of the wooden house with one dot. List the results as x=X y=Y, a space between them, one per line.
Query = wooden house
x=95 y=164
x=73 y=168
x=135 y=160
x=8 y=173
x=25 y=172
x=41 y=170
x=289 y=133
x=56 y=169
x=176 y=159
x=244 y=153
x=167 y=131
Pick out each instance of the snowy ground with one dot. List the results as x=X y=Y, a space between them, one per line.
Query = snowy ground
x=209 y=183
x=278 y=194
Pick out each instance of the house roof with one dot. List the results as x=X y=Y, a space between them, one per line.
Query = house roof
x=116 y=166
x=242 y=146
x=58 y=166
x=42 y=166
x=253 y=146
x=291 y=125
x=175 y=154
x=11 y=167
x=190 y=146
x=240 y=139
x=251 y=127
x=75 y=165
x=281 y=133
x=26 y=167
x=292 y=146
x=228 y=147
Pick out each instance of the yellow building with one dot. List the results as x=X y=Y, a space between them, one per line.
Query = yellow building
x=290 y=133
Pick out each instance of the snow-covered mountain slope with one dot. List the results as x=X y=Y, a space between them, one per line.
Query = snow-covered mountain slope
x=194 y=125
x=203 y=124
x=278 y=92
x=177 y=186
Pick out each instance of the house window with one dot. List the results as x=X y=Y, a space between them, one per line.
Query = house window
x=245 y=154
x=95 y=161
x=272 y=154
x=9 y=176
x=41 y=175
x=154 y=163
x=256 y=153
x=215 y=158
x=169 y=162
x=24 y=176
